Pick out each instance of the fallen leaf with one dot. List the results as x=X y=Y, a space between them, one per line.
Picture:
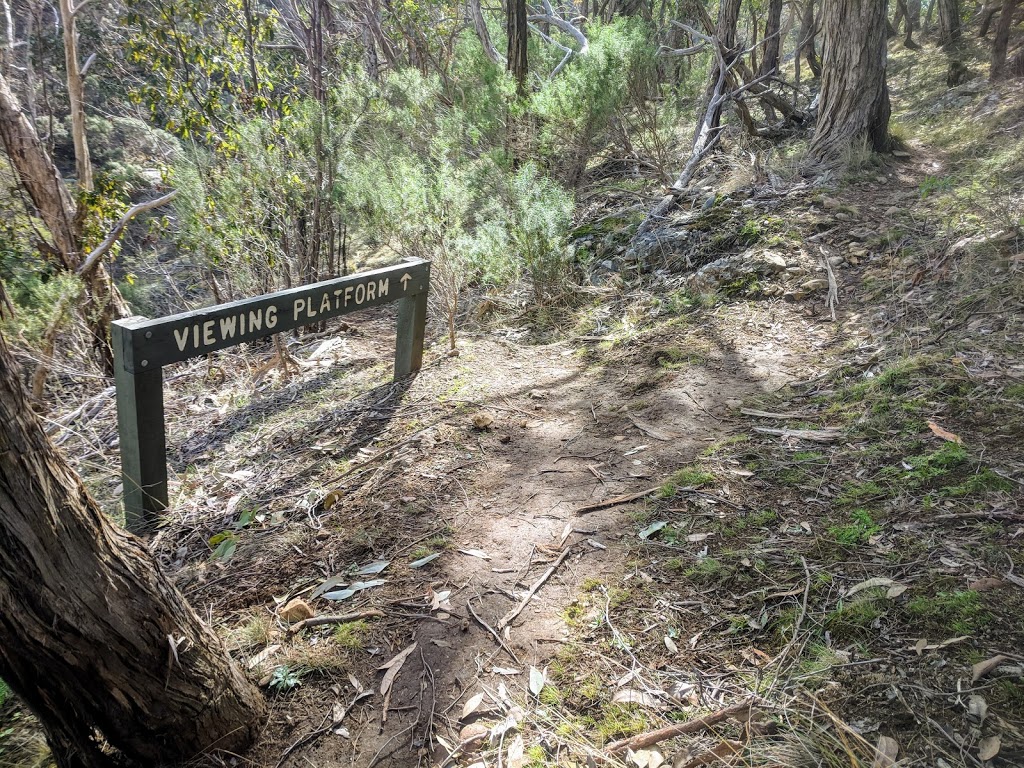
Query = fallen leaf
x=886 y=752
x=895 y=591
x=476 y=553
x=328 y=585
x=983 y=668
x=693 y=538
x=359 y=586
x=263 y=655
x=393 y=667
x=537 y=680
x=596 y=544
x=652 y=529
x=633 y=696
x=424 y=560
x=879 y=581
x=944 y=434
x=986 y=584
x=472 y=705
x=506 y=671
x=636 y=450
x=517 y=752
x=671 y=645
x=373 y=568
x=989 y=748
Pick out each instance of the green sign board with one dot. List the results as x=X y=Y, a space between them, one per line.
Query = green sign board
x=142 y=347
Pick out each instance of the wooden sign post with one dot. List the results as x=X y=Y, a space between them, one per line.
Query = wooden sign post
x=142 y=347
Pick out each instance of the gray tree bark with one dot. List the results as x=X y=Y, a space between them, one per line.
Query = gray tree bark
x=1001 y=41
x=854 y=96
x=949 y=22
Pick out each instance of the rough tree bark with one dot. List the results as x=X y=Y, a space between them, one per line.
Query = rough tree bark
x=772 y=39
x=854 y=95
x=48 y=192
x=806 y=36
x=1001 y=41
x=949 y=22
x=517 y=63
x=93 y=637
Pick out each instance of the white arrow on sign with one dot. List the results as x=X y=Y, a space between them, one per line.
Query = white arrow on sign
x=405 y=281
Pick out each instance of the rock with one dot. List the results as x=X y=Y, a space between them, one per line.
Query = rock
x=831 y=204
x=836 y=261
x=482 y=420
x=817 y=284
x=296 y=609
x=472 y=736
x=900 y=154
x=774 y=261
x=733 y=403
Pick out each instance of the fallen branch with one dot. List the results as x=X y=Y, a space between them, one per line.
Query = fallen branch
x=491 y=631
x=509 y=617
x=645 y=740
x=614 y=502
x=318 y=621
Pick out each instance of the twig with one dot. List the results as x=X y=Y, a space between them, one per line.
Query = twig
x=614 y=502
x=492 y=632
x=644 y=740
x=317 y=621
x=509 y=617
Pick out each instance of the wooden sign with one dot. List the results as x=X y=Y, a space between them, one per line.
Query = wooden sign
x=142 y=347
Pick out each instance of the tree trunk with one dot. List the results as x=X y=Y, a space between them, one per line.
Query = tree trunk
x=808 y=32
x=517 y=63
x=710 y=118
x=93 y=637
x=1002 y=40
x=854 y=95
x=45 y=186
x=76 y=97
x=949 y=22
x=480 y=25
x=772 y=39
x=39 y=176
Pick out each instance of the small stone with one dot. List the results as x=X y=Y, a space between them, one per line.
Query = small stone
x=733 y=403
x=322 y=535
x=831 y=204
x=774 y=261
x=296 y=609
x=818 y=284
x=472 y=736
x=504 y=438
x=482 y=420
x=836 y=261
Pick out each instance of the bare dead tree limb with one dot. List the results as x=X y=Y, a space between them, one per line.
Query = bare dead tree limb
x=100 y=250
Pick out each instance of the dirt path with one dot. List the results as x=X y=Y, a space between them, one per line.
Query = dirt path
x=565 y=435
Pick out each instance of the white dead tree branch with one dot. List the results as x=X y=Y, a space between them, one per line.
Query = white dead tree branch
x=98 y=252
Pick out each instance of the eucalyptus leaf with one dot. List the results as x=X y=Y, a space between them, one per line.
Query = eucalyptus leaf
x=359 y=586
x=424 y=560
x=652 y=529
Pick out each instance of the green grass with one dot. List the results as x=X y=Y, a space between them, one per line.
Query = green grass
x=687 y=477
x=860 y=528
x=854 y=619
x=5 y=693
x=351 y=636
x=959 y=612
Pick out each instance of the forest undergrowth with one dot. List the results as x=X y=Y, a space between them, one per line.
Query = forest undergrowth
x=769 y=467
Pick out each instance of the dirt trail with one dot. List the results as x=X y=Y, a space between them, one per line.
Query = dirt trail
x=565 y=435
